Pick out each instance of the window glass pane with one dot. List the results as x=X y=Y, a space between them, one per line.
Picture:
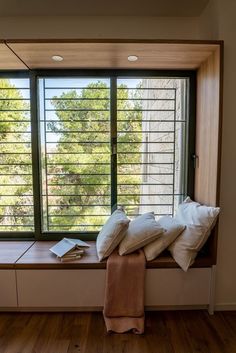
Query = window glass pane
x=75 y=153
x=16 y=194
x=151 y=143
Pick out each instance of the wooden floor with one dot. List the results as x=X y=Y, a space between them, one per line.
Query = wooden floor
x=166 y=332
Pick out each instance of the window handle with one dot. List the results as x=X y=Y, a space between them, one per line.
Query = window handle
x=114 y=149
x=114 y=146
x=195 y=160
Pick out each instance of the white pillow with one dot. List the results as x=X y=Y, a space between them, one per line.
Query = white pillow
x=111 y=233
x=199 y=221
x=142 y=230
x=173 y=230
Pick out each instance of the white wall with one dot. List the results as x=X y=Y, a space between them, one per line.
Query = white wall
x=98 y=27
x=208 y=22
x=216 y=22
x=222 y=20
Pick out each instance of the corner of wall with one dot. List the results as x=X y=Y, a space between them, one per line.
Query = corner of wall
x=208 y=24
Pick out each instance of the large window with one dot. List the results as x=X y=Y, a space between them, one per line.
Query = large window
x=93 y=142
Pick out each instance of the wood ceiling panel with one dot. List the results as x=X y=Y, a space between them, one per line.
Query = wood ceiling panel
x=113 y=55
x=8 y=60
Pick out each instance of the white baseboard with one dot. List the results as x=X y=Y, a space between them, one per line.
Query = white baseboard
x=225 y=307
x=175 y=307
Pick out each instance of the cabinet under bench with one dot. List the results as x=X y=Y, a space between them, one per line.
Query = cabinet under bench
x=34 y=279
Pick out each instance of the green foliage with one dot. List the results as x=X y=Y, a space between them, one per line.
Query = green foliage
x=15 y=159
x=79 y=161
x=83 y=132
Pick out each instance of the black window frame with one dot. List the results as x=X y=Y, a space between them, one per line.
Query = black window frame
x=33 y=76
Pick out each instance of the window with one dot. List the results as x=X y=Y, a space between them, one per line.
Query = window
x=16 y=194
x=93 y=141
x=75 y=153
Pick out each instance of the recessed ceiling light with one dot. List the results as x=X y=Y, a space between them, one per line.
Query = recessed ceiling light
x=132 y=58
x=57 y=58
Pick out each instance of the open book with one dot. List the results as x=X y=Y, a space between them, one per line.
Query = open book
x=69 y=249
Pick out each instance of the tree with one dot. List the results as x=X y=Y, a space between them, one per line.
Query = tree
x=81 y=161
x=15 y=160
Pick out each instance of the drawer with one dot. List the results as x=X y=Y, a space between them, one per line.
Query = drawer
x=8 y=296
x=60 y=288
x=176 y=287
x=85 y=288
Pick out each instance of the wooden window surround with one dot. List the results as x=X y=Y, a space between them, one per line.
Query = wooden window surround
x=206 y=57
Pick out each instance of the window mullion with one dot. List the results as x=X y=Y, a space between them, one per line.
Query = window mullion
x=35 y=154
x=113 y=122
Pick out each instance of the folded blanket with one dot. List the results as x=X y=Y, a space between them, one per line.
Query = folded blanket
x=124 y=293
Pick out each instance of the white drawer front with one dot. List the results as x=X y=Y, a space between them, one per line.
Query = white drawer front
x=60 y=288
x=8 y=297
x=85 y=288
x=176 y=287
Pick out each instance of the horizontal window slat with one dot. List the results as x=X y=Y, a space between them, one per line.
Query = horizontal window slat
x=80 y=143
x=16 y=215
x=77 y=99
x=79 y=215
x=14 y=110
x=77 y=195
x=76 y=110
x=76 y=184
x=17 y=225
x=145 y=110
x=81 y=205
x=79 y=88
x=52 y=225
x=81 y=174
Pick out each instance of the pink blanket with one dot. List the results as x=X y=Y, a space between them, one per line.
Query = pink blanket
x=124 y=293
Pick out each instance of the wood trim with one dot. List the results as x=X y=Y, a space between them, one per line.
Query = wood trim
x=17 y=56
x=207 y=130
x=214 y=239
x=208 y=133
x=221 y=78
x=8 y=60
x=200 y=195
x=97 y=40
x=161 y=262
x=113 y=54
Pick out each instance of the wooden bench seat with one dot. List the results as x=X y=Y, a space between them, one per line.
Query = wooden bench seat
x=36 y=255
x=11 y=251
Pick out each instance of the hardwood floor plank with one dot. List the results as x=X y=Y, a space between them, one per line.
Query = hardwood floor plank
x=230 y=318
x=177 y=332
x=166 y=332
x=202 y=335
x=158 y=333
x=225 y=325
x=6 y=320
x=79 y=332
x=96 y=334
x=27 y=333
x=50 y=339
x=195 y=331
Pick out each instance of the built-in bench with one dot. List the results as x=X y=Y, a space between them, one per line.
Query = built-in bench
x=36 y=255
x=32 y=278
